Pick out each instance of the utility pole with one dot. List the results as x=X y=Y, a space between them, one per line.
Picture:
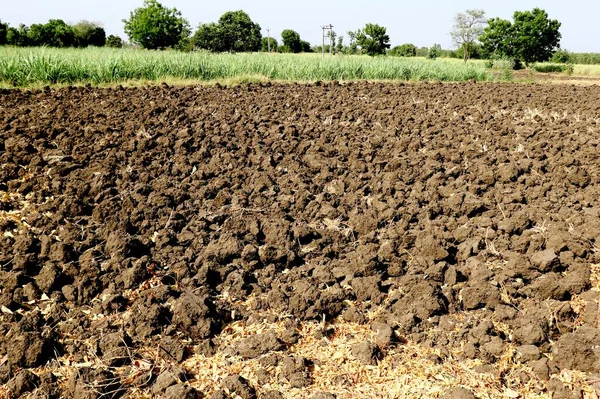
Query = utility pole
x=325 y=28
x=269 y=39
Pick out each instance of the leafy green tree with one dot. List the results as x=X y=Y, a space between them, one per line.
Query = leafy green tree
x=291 y=40
x=305 y=47
x=238 y=32
x=89 y=34
x=339 y=47
x=54 y=33
x=208 y=37
x=497 y=38
x=235 y=32
x=373 y=39
x=3 y=31
x=467 y=28
x=434 y=52
x=404 y=50
x=114 y=41
x=537 y=37
x=422 y=51
x=18 y=36
x=562 y=57
x=352 y=47
x=532 y=37
x=268 y=42
x=154 y=26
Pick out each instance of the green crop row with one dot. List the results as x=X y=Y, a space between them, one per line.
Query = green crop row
x=22 y=67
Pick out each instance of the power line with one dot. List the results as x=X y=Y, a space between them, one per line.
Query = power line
x=325 y=28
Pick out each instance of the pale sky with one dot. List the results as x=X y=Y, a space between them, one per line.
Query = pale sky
x=421 y=22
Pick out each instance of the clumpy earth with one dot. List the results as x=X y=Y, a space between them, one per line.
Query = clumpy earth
x=185 y=242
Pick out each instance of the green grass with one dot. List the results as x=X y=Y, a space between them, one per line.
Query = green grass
x=22 y=67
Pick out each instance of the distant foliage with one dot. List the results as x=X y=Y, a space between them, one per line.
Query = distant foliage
x=3 y=31
x=561 y=57
x=89 y=34
x=585 y=58
x=549 y=68
x=18 y=37
x=268 y=41
x=207 y=37
x=55 y=33
x=114 y=41
x=291 y=41
x=467 y=28
x=532 y=37
x=434 y=52
x=373 y=39
x=235 y=32
x=238 y=32
x=422 y=51
x=404 y=50
x=154 y=26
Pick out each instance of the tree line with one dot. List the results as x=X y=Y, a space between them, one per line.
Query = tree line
x=531 y=37
x=154 y=26
x=57 y=33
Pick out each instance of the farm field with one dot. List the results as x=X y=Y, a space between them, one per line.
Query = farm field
x=284 y=241
x=26 y=67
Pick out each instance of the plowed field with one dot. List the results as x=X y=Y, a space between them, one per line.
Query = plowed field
x=326 y=240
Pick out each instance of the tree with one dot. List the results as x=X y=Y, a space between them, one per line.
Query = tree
x=434 y=51
x=3 y=31
x=54 y=33
x=467 y=29
x=339 y=47
x=353 y=46
x=532 y=37
x=305 y=47
x=89 y=34
x=238 y=33
x=268 y=43
x=497 y=39
x=404 y=50
x=114 y=41
x=207 y=37
x=291 y=40
x=18 y=36
x=373 y=39
x=154 y=26
x=562 y=57
x=235 y=32
x=536 y=36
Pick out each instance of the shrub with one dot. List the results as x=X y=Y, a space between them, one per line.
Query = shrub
x=549 y=68
x=434 y=52
x=114 y=41
x=404 y=50
x=561 y=57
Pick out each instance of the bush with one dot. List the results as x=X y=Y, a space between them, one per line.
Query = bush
x=404 y=50
x=55 y=33
x=89 y=34
x=561 y=57
x=114 y=41
x=570 y=69
x=3 y=31
x=549 y=68
x=434 y=52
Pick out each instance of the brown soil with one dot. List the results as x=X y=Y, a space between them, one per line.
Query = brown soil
x=140 y=227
